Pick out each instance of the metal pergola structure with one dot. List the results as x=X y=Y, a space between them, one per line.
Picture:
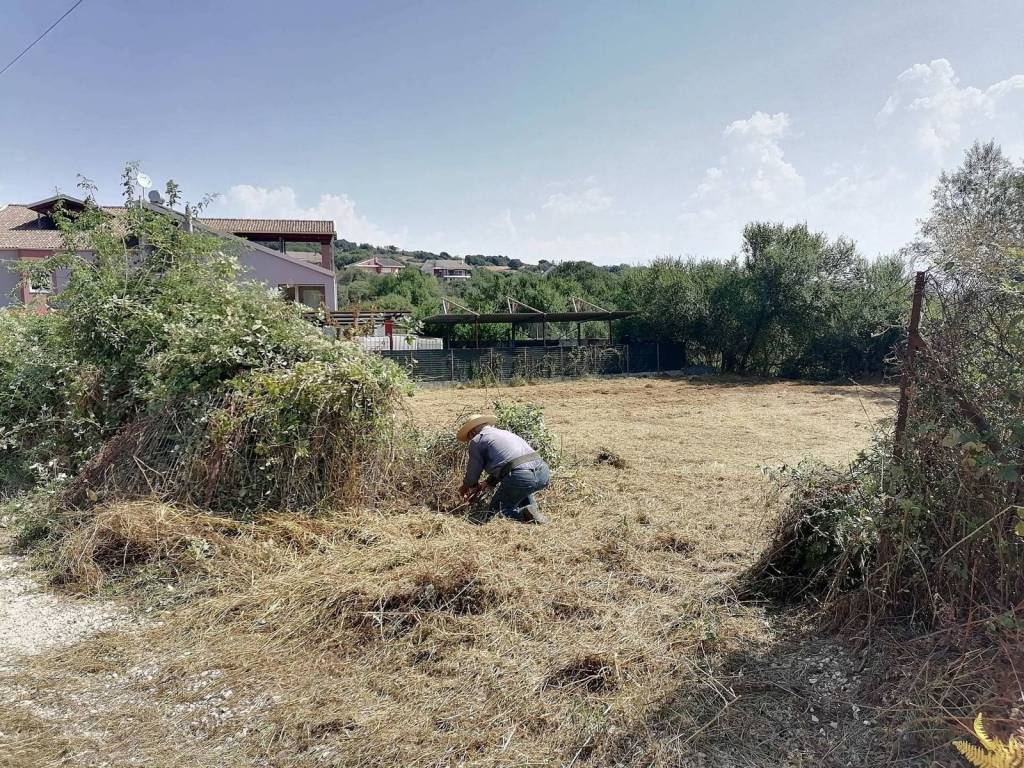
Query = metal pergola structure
x=520 y=313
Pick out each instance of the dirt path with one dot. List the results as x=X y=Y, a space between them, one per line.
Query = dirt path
x=33 y=620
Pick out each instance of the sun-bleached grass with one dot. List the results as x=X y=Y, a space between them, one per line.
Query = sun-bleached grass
x=391 y=636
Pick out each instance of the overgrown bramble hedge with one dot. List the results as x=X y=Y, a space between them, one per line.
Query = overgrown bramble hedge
x=168 y=334
x=932 y=536
x=948 y=509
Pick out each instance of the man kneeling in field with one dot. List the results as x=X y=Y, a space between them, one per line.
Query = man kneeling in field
x=512 y=465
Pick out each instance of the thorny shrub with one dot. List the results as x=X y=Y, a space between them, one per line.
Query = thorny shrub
x=948 y=503
x=42 y=417
x=300 y=437
x=826 y=537
x=951 y=549
x=157 y=316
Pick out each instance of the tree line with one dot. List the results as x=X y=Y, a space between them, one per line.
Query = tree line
x=793 y=302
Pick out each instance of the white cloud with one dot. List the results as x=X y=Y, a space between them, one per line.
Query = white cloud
x=754 y=166
x=877 y=194
x=940 y=114
x=582 y=199
x=248 y=201
x=753 y=180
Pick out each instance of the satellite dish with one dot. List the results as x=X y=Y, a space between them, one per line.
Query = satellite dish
x=143 y=180
x=154 y=197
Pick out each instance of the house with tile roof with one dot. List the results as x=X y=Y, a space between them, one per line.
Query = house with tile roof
x=380 y=265
x=447 y=269
x=28 y=232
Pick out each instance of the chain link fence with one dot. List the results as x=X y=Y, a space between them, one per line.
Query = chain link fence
x=531 y=363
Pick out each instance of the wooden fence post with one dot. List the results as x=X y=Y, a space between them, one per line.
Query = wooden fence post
x=906 y=378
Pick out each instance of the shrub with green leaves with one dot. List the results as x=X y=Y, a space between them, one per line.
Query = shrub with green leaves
x=46 y=422
x=527 y=421
x=161 y=318
x=945 y=505
x=826 y=536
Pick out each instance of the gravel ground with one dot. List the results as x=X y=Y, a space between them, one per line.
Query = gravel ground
x=33 y=620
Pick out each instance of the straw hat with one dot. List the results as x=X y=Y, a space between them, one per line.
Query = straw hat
x=474 y=421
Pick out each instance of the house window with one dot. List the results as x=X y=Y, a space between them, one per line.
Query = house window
x=40 y=283
x=312 y=296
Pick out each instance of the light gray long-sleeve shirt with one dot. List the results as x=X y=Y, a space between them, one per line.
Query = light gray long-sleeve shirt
x=490 y=448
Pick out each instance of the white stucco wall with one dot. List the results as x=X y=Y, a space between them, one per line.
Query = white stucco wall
x=259 y=265
x=273 y=271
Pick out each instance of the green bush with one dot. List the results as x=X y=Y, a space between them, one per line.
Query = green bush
x=300 y=437
x=141 y=331
x=527 y=421
x=825 y=537
x=52 y=401
x=932 y=528
x=797 y=304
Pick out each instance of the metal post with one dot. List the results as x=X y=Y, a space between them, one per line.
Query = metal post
x=906 y=378
x=627 y=356
x=657 y=357
x=451 y=364
x=609 y=333
x=579 y=334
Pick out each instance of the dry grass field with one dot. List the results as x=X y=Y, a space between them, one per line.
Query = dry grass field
x=693 y=448
x=610 y=636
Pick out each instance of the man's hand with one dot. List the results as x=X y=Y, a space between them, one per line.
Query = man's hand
x=469 y=492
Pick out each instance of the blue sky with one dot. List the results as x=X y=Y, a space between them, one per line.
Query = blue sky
x=615 y=132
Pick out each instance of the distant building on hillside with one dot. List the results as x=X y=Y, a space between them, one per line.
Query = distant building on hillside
x=380 y=265
x=447 y=269
x=29 y=233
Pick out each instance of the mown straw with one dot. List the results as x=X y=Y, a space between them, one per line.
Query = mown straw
x=398 y=635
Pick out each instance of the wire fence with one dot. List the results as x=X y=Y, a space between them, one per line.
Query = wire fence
x=531 y=363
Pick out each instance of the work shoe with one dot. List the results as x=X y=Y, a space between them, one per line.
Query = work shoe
x=532 y=514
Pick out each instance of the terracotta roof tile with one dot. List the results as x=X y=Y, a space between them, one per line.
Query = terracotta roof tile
x=21 y=227
x=271 y=226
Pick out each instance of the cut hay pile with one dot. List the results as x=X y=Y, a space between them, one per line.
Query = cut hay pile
x=415 y=638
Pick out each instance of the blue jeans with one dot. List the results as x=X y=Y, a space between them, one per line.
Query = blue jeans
x=517 y=489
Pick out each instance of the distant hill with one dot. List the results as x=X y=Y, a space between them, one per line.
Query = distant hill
x=347 y=252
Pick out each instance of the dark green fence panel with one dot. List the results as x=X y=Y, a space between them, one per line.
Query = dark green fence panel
x=535 y=363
